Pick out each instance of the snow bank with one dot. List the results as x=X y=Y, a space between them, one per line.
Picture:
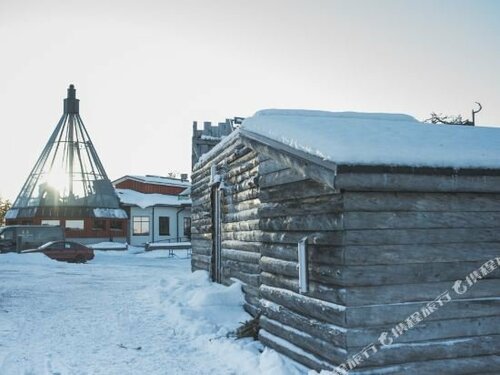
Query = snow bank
x=109 y=246
x=206 y=312
x=26 y=259
x=378 y=139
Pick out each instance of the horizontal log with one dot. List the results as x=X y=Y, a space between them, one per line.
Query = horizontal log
x=230 y=207
x=320 y=348
x=251 y=309
x=242 y=245
x=390 y=274
x=304 y=305
x=376 y=315
x=270 y=166
x=292 y=351
x=316 y=290
x=249 y=236
x=238 y=226
x=250 y=214
x=281 y=177
x=238 y=197
x=240 y=256
x=428 y=330
x=381 y=220
x=398 y=254
x=317 y=222
x=399 y=201
x=417 y=183
x=231 y=274
x=483 y=365
x=322 y=204
x=245 y=267
x=324 y=331
x=387 y=236
x=435 y=349
x=294 y=191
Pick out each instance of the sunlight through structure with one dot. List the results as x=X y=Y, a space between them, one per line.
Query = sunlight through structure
x=68 y=181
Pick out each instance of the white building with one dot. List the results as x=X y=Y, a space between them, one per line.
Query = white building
x=159 y=208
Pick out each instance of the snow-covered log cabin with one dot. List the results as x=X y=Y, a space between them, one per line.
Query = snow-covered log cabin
x=361 y=238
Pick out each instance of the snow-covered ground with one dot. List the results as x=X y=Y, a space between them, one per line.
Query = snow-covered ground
x=122 y=313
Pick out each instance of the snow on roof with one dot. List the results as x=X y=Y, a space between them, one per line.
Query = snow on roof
x=351 y=138
x=111 y=213
x=158 y=180
x=135 y=198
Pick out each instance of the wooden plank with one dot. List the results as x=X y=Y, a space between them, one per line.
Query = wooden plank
x=244 y=277
x=412 y=253
x=281 y=177
x=422 y=291
x=270 y=166
x=324 y=331
x=292 y=351
x=417 y=183
x=400 y=201
x=243 y=215
x=304 y=305
x=249 y=236
x=297 y=190
x=243 y=225
x=316 y=290
x=384 y=274
x=380 y=220
x=240 y=256
x=435 y=349
x=375 y=315
x=311 y=344
x=480 y=365
x=321 y=204
x=245 y=267
x=428 y=330
x=242 y=245
x=409 y=220
x=316 y=222
x=387 y=236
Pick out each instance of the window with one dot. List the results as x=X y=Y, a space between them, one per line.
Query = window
x=74 y=224
x=51 y=222
x=187 y=227
x=140 y=225
x=164 y=225
x=116 y=225
x=99 y=224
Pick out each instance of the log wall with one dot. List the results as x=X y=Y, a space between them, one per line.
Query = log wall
x=240 y=252
x=375 y=257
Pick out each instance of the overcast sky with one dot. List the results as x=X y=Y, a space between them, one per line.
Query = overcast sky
x=144 y=70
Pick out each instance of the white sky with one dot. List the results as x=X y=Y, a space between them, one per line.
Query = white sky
x=144 y=70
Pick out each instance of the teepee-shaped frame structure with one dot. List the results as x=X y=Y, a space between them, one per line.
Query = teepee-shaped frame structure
x=68 y=179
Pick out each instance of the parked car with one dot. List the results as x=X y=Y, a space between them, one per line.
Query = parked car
x=66 y=251
x=22 y=237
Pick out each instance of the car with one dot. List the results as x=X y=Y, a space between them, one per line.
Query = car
x=65 y=251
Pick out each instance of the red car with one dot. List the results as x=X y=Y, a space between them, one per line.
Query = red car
x=66 y=251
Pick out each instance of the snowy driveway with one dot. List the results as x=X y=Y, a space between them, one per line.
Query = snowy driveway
x=121 y=314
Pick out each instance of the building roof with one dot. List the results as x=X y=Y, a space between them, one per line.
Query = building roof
x=134 y=198
x=377 y=139
x=156 y=180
